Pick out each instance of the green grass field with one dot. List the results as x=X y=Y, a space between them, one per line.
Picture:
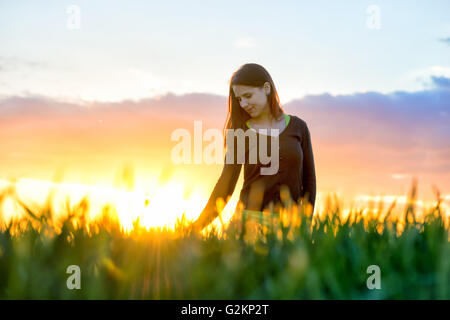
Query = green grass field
x=296 y=257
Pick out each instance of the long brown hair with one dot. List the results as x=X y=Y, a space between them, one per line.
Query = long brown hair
x=255 y=75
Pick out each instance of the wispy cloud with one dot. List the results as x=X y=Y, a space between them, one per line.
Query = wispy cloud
x=445 y=40
x=441 y=82
x=21 y=77
x=14 y=63
x=245 y=42
x=422 y=78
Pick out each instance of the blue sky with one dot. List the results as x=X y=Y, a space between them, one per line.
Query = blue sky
x=137 y=49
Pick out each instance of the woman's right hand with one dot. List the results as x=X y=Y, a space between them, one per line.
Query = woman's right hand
x=196 y=227
x=199 y=224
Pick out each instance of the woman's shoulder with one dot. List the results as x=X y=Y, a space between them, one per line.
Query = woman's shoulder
x=298 y=122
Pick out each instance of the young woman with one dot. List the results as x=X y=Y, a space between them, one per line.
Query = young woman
x=253 y=104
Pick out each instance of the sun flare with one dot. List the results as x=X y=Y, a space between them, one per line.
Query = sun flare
x=161 y=208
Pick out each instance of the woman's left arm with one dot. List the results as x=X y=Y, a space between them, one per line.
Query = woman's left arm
x=309 y=172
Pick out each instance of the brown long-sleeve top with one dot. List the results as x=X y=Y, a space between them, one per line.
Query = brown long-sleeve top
x=296 y=171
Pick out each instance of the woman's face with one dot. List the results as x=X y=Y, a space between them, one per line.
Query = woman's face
x=252 y=99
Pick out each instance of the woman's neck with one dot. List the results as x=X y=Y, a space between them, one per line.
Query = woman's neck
x=264 y=119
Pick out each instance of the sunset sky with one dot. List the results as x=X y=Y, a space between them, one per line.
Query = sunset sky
x=85 y=102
